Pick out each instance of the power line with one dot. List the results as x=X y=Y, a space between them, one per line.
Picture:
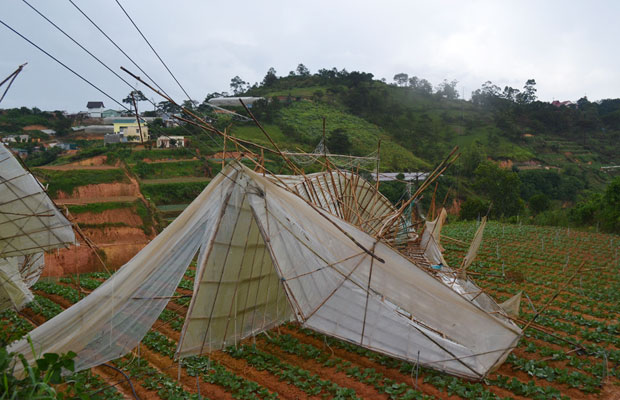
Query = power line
x=91 y=54
x=115 y=45
x=86 y=50
x=147 y=42
x=63 y=64
x=243 y=117
x=71 y=70
x=82 y=47
x=129 y=58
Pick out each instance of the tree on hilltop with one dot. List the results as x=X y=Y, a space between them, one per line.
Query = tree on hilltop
x=528 y=95
x=302 y=70
x=401 y=79
x=238 y=85
x=270 y=78
x=448 y=89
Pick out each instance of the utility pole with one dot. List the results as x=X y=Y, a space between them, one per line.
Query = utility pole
x=135 y=107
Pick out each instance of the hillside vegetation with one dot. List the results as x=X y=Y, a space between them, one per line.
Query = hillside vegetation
x=521 y=158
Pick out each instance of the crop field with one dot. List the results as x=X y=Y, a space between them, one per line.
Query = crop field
x=572 y=350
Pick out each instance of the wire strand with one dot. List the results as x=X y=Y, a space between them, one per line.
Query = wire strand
x=63 y=64
x=116 y=45
x=149 y=43
x=78 y=44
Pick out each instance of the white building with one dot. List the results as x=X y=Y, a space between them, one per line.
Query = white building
x=170 y=141
x=95 y=108
x=233 y=101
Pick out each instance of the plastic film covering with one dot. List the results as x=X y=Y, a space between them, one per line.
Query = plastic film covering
x=267 y=256
x=512 y=305
x=115 y=317
x=13 y=291
x=237 y=291
x=431 y=239
x=398 y=310
x=475 y=245
x=29 y=220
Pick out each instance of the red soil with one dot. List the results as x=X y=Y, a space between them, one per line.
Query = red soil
x=96 y=192
x=119 y=215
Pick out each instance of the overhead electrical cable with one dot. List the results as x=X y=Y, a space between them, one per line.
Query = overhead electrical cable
x=64 y=65
x=131 y=60
x=243 y=117
x=116 y=45
x=86 y=50
x=149 y=43
x=77 y=43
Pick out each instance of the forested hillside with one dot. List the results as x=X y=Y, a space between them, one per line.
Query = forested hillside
x=521 y=157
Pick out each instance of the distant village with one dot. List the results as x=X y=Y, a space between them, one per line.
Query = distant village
x=100 y=123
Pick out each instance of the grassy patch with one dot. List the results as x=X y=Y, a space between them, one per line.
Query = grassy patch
x=146 y=215
x=137 y=207
x=98 y=207
x=252 y=133
x=165 y=170
x=67 y=181
x=307 y=120
x=104 y=225
x=157 y=154
x=173 y=193
x=297 y=92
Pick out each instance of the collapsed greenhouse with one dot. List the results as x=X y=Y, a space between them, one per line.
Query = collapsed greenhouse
x=30 y=224
x=274 y=249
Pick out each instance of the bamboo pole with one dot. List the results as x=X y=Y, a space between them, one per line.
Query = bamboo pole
x=429 y=180
x=205 y=125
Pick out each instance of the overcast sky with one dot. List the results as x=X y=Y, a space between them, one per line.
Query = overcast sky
x=569 y=47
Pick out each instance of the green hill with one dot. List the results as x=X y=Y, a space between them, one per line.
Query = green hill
x=544 y=158
x=300 y=126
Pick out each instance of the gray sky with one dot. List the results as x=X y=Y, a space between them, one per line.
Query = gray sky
x=569 y=47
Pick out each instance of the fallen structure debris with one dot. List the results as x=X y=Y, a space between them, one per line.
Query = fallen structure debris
x=268 y=254
x=30 y=224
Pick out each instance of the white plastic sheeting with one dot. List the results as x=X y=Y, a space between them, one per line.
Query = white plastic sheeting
x=512 y=305
x=30 y=223
x=267 y=256
x=115 y=317
x=29 y=220
x=237 y=291
x=332 y=285
x=31 y=267
x=13 y=290
x=431 y=239
x=345 y=195
x=474 y=246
